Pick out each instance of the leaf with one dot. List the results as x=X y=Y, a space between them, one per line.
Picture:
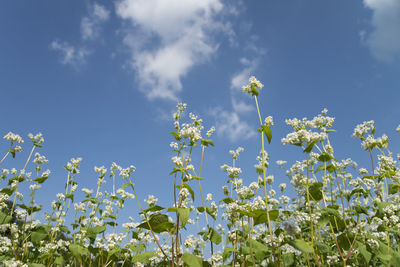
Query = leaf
x=64 y=229
x=394 y=188
x=324 y=157
x=315 y=191
x=137 y=247
x=213 y=236
x=207 y=142
x=176 y=135
x=153 y=208
x=226 y=200
x=192 y=260
x=259 y=249
x=288 y=259
x=323 y=248
x=78 y=251
x=260 y=216
x=125 y=185
x=302 y=245
x=360 y=209
x=31 y=264
x=59 y=261
x=185 y=185
x=184 y=214
x=4 y=218
x=309 y=147
x=158 y=222
x=268 y=132
x=365 y=253
x=92 y=232
x=36 y=237
x=41 y=180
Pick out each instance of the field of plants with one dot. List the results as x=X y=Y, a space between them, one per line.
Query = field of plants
x=341 y=215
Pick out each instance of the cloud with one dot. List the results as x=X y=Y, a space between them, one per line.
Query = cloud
x=230 y=125
x=237 y=81
x=70 y=54
x=384 y=40
x=168 y=38
x=90 y=25
x=90 y=30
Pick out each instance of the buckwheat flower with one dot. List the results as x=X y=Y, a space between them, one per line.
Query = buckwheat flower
x=269 y=121
x=282 y=187
x=211 y=131
x=34 y=187
x=225 y=190
x=151 y=200
x=284 y=200
x=254 y=186
x=177 y=161
x=87 y=191
x=209 y=197
x=4 y=173
x=281 y=162
x=60 y=196
x=36 y=139
x=100 y=170
x=232 y=171
x=13 y=138
x=39 y=159
x=361 y=129
x=235 y=153
x=13 y=171
x=269 y=179
x=174 y=145
x=272 y=192
x=398 y=128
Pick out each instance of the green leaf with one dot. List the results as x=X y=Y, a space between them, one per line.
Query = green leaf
x=228 y=252
x=365 y=253
x=92 y=232
x=209 y=210
x=322 y=247
x=302 y=245
x=7 y=191
x=125 y=185
x=288 y=259
x=207 y=142
x=176 y=135
x=41 y=180
x=260 y=250
x=268 y=132
x=78 y=251
x=360 y=209
x=4 y=218
x=315 y=191
x=143 y=257
x=197 y=178
x=31 y=264
x=137 y=247
x=59 y=261
x=309 y=147
x=64 y=229
x=184 y=214
x=260 y=216
x=158 y=222
x=324 y=157
x=213 y=236
x=153 y=208
x=394 y=188
x=192 y=260
x=36 y=237
x=185 y=185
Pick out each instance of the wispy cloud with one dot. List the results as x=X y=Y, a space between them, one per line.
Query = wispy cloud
x=74 y=56
x=90 y=30
x=168 y=38
x=91 y=24
x=240 y=79
x=384 y=40
x=229 y=124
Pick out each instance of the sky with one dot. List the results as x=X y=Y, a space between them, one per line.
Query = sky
x=101 y=79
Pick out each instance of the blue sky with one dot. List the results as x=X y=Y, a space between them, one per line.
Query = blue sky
x=100 y=79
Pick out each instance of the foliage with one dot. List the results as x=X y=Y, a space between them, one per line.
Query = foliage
x=341 y=216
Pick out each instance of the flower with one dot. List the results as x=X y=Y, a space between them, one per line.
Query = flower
x=253 y=86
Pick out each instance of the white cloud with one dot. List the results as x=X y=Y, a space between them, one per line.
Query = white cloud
x=238 y=80
x=70 y=54
x=230 y=125
x=181 y=36
x=384 y=40
x=90 y=25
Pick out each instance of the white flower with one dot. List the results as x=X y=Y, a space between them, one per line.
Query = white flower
x=269 y=121
x=13 y=138
x=211 y=131
x=209 y=197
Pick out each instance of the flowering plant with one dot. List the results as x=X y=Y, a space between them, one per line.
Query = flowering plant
x=341 y=215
